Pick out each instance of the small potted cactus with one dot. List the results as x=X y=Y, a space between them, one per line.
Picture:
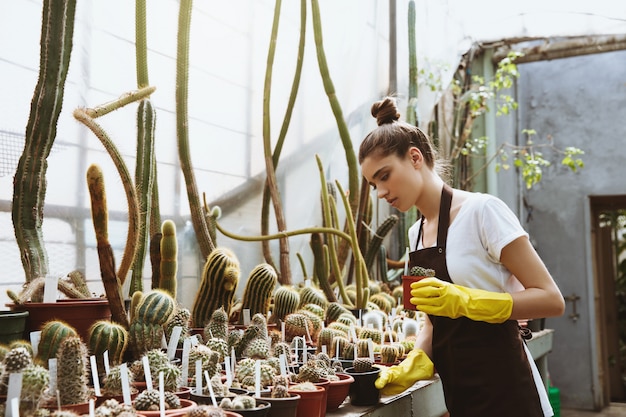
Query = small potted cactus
x=362 y=390
x=283 y=403
x=416 y=273
x=246 y=405
x=311 y=403
x=149 y=400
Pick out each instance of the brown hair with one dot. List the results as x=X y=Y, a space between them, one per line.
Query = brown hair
x=393 y=136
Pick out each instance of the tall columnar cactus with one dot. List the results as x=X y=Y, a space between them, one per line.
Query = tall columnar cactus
x=108 y=336
x=153 y=311
x=220 y=277
x=259 y=288
x=286 y=301
x=29 y=186
x=169 y=261
x=72 y=371
x=100 y=219
x=52 y=335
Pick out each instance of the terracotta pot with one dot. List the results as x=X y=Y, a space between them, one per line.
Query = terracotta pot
x=338 y=391
x=407 y=280
x=80 y=408
x=12 y=325
x=362 y=390
x=311 y=402
x=282 y=407
x=261 y=410
x=78 y=313
x=185 y=405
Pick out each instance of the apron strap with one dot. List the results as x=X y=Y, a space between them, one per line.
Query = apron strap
x=444 y=219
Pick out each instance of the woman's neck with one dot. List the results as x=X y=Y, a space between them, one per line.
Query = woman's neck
x=430 y=199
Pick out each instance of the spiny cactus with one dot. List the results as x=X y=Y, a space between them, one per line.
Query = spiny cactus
x=312 y=295
x=35 y=380
x=220 y=346
x=208 y=358
x=220 y=277
x=297 y=324
x=326 y=337
x=169 y=261
x=112 y=383
x=388 y=354
x=217 y=325
x=52 y=334
x=362 y=365
x=334 y=310
x=108 y=336
x=311 y=372
x=29 y=187
x=181 y=318
x=286 y=301
x=149 y=400
x=280 y=391
x=153 y=311
x=419 y=271
x=258 y=291
x=363 y=347
x=204 y=410
x=239 y=402
x=245 y=372
x=382 y=301
x=370 y=333
x=72 y=371
x=16 y=360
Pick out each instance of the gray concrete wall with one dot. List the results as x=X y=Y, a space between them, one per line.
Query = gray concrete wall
x=578 y=102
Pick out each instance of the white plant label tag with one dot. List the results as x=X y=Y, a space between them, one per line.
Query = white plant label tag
x=14 y=391
x=246 y=316
x=173 y=343
x=50 y=290
x=146 y=372
x=94 y=375
x=125 y=384
x=35 y=337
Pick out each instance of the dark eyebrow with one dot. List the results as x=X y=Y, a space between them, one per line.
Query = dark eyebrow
x=377 y=173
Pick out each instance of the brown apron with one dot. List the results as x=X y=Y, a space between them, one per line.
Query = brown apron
x=483 y=367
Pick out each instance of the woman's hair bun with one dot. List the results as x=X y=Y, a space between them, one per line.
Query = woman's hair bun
x=385 y=111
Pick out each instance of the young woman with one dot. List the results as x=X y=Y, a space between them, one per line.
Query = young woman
x=488 y=276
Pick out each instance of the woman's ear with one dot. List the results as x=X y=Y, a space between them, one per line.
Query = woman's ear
x=416 y=156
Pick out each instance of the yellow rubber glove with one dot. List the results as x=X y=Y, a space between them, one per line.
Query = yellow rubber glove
x=397 y=378
x=441 y=298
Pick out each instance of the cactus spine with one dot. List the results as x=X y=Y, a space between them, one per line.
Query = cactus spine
x=169 y=261
x=220 y=277
x=259 y=288
x=72 y=378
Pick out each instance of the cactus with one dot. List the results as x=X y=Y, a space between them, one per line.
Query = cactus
x=52 y=335
x=389 y=354
x=35 y=379
x=382 y=302
x=220 y=346
x=257 y=349
x=369 y=333
x=312 y=295
x=419 y=271
x=326 y=337
x=204 y=410
x=208 y=358
x=286 y=301
x=310 y=372
x=112 y=383
x=29 y=186
x=297 y=324
x=258 y=291
x=245 y=372
x=149 y=400
x=181 y=318
x=220 y=277
x=169 y=262
x=72 y=371
x=217 y=327
x=363 y=348
x=108 y=336
x=153 y=311
x=280 y=391
x=315 y=309
x=361 y=365
x=334 y=310
x=100 y=218
x=16 y=360
x=135 y=299
x=172 y=375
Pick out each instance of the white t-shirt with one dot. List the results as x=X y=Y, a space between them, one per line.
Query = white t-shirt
x=483 y=226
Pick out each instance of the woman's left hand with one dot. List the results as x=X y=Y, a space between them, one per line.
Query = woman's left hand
x=441 y=298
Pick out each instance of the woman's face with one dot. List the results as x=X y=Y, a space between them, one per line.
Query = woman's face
x=395 y=179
